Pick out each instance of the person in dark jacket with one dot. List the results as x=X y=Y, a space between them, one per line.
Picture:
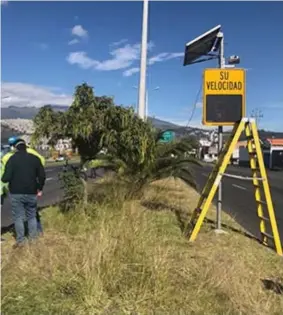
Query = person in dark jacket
x=12 y=141
x=26 y=178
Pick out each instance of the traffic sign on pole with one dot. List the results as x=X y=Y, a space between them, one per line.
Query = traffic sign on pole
x=167 y=136
x=223 y=96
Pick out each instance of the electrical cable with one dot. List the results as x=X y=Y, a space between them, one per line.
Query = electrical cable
x=195 y=105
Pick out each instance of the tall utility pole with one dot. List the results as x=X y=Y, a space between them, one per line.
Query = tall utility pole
x=257 y=114
x=146 y=100
x=146 y=105
x=220 y=137
x=142 y=84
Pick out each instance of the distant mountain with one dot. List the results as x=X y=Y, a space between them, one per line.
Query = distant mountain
x=270 y=134
x=263 y=134
x=14 y=112
x=180 y=131
x=158 y=123
x=6 y=133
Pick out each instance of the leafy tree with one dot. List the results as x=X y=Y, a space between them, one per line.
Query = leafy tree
x=73 y=187
x=83 y=122
x=49 y=124
x=133 y=148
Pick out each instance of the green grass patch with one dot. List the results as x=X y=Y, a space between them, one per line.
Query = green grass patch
x=133 y=259
x=54 y=163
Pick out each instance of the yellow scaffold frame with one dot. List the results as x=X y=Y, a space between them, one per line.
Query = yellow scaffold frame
x=259 y=177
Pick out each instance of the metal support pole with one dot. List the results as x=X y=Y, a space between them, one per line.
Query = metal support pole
x=146 y=105
x=142 y=84
x=219 y=201
x=220 y=139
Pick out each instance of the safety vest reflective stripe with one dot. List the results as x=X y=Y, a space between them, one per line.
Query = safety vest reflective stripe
x=6 y=158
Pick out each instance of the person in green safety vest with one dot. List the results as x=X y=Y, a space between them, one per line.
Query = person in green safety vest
x=12 y=142
x=5 y=158
x=3 y=186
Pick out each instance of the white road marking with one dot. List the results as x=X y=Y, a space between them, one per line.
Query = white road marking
x=240 y=187
x=49 y=178
x=49 y=170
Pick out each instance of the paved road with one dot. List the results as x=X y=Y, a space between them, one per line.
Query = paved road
x=238 y=196
x=52 y=194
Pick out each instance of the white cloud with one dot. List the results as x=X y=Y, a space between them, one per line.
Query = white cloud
x=163 y=57
x=21 y=94
x=131 y=71
x=150 y=45
x=73 y=41
x=81 y=59
x=158 y=58
x=79 y=31
x=122 y=57
x=118 y=43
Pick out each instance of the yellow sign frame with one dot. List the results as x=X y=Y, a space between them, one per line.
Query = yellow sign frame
x=236 y=72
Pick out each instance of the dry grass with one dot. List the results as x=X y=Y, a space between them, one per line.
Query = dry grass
x=134 y=260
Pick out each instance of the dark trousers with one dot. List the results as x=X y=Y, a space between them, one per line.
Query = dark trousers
x=39 y=224
x=24 y=207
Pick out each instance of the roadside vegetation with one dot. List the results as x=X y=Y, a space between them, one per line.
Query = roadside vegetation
x=133 y=149
x=116 y=245
x=130 y=257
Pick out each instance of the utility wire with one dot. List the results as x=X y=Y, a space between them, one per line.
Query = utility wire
x=194 y=105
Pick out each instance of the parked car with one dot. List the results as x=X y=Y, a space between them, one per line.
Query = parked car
x=60 y=158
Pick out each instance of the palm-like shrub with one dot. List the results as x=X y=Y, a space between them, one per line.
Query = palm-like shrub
x=166 y=160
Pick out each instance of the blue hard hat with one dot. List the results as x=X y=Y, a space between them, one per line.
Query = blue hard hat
x=12 y=140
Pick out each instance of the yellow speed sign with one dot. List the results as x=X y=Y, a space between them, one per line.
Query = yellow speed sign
x=223 y=96
x=229 y=81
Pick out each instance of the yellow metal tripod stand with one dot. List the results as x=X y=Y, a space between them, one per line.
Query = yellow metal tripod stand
x=259 y=179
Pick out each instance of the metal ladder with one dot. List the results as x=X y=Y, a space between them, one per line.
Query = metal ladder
x=259 y=179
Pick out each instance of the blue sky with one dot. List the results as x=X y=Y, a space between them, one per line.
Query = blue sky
x=48 y=48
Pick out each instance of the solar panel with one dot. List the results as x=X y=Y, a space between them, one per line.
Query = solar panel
x=202 y=45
